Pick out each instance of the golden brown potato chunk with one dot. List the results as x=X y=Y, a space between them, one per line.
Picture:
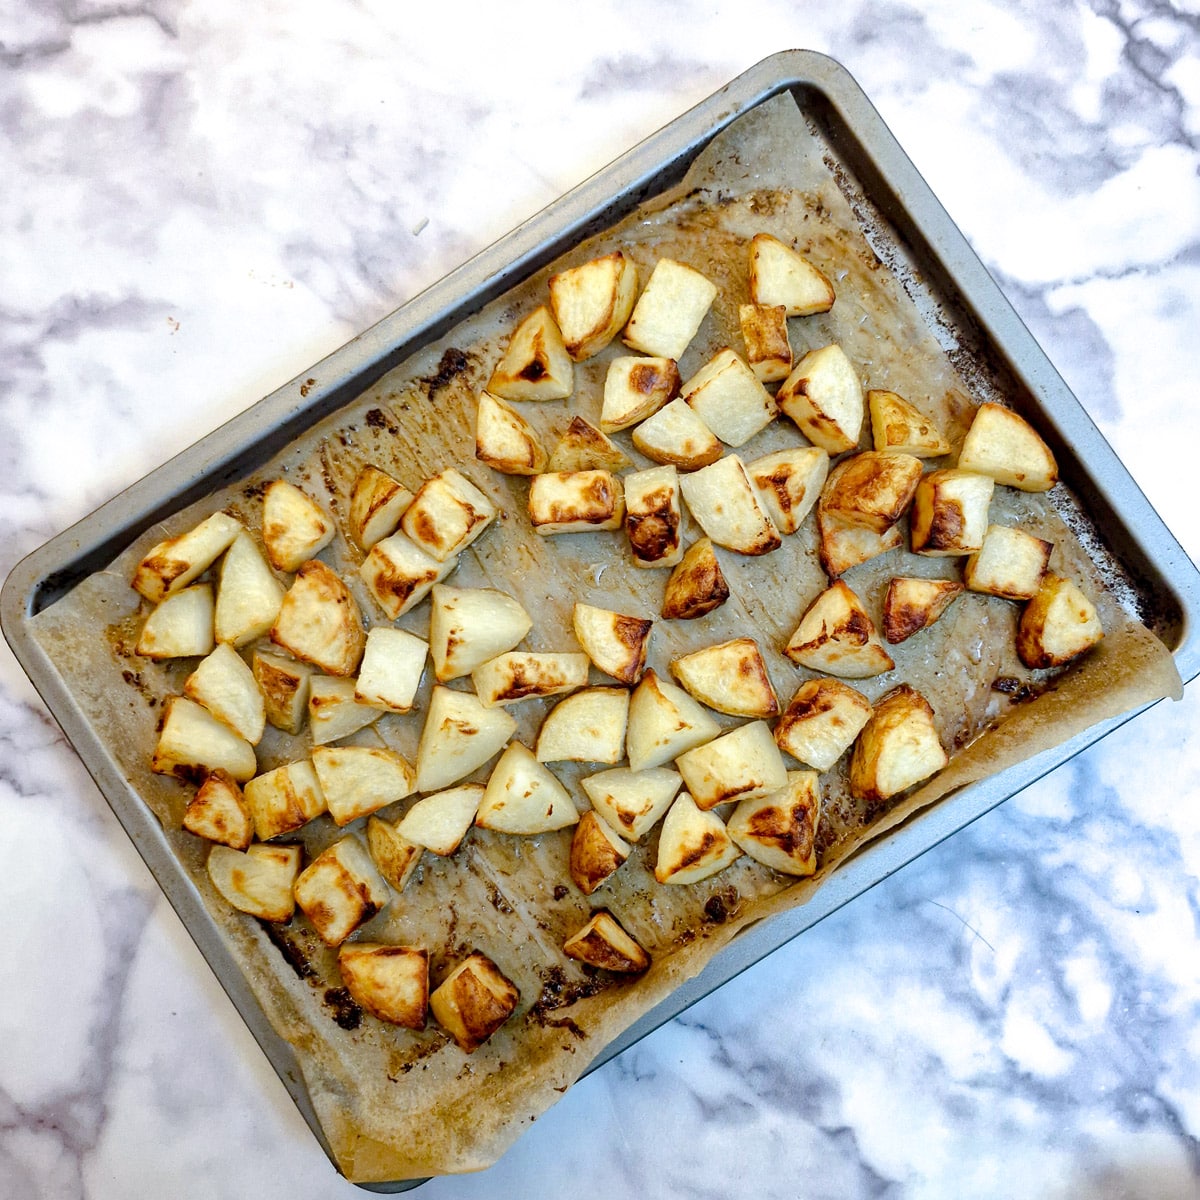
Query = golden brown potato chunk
x=592 y=301
x=583 y=447
x=390 y=982
x=218 y=812
x=535 y=365
x=824 y=397
x=615 y=642
x=730 y=677
x=319 y=621
x=447 y=514
x=596 y=852
x=1057 y=625
x=653 y=516
x=911 y=605
x=576 y=502
x=950 y=512
x=821 y=721
x=603 y=943
x=473 y=1001
x=504 y=440
x=873 y=489
x=765 y=332
x=898 y=748
x=779 y=830
x=636 y=388
x=837 y=637
x=697 y=585
x=898 y=425
x=377 y=502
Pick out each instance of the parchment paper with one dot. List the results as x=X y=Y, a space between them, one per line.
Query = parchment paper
x=397 y=1104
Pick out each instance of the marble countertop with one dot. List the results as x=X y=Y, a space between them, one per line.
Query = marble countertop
x=203 y=199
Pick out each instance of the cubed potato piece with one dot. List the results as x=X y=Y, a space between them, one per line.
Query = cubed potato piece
x=359 y=780
x=898 y=747
x=319 y=621
x=458 y=737
x=257 y=881
x=377 y=502
x=898 y=425
x=730 y=677
x=340 y=890
x=284 y=684
x=789 y=483
x=535 y=365
x=653 y=517
x=504 y=440
x=741 y=763
x=218 y=812
x=765 y=332
x=729 y=398
x=727 y=506
x=911 y=605
x=779 y=830
x=592 y=302
x=334 y=710
x=389 y=982
x=583 y=447
x=248 y=594
x=399 y=574
x=284 y=799
x=1007 y=448
x=781 y=275
x=596 y=852
x=192 y=742
x=392 y=665
x=841 y=545
x=615 y=642
x=295 y=527
x=670 y=310
x=181 y=626
x=837 y=637
x=874 y=489
x=527 y=674
x=631 y=802
x=470 y=626
x=588 y=726
x=1010 y=563
x=636 y=388
x=821 y=722
x=664 y=722
x=395 y=856
x=603 y=943
x=473 y=1001
x=697 y=585
x=575 y=502
x=824 y=397
x=440 y=822
x=446 y=515
x=1057 y=625
x=523 y=796
x=675 y=435
x=693 y=844
x=226 y=686
x=950 y=513
x=172 y=564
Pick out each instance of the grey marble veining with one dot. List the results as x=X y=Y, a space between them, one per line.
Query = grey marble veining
x=201 y=200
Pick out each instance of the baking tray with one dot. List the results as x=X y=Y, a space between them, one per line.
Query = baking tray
x=908 y=228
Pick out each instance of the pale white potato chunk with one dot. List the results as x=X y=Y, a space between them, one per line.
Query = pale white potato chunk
x=359 y=780
x=670 y=310
x=729 y=398
x=1057 y=625
x=181 y=626
x=781 y=275
x=535 y=365
x=636 y=388
x=837 y=636
x=470 y=626
x=391 y=669
x=295 y=527
x=218 y=812
x=458 y=737
x=319 y=621
x=664 y=721
x=588 y=726
x=257 y=881
x=789 y=483
x=193 y=742
x=504 y=440
x=1006 y=447
x=730 y=677
x=446 y=515
x=524 y=674
x=631 y=802
x=377 y=502
x=727 y=506
x=615 y=642
x=591 y=302
x=676 y=435
x=248 y=594
x=1010 y=563
x=742 y=763
x=841 y=545
x=693 y=844
x=440 y=822
x=399 y=574
x=821 y=722
x=824 y=397
x=334 y=710
x=284 y=799
x=172 y=564
x=898 y=747
x=524 y=797
x=226 y=686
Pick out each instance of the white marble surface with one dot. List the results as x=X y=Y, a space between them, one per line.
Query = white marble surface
x=201 y=199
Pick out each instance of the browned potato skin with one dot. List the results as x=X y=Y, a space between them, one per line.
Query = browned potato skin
x=603 y=943
x=939 y=525
x=653 y=530
x=1036 y=621
x=911 y=605
x=355 y=962
x=593 y=857
x=873 y=489
x=696 y=585
x=897 y=708
x=765 y=332
x=473 y=1001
